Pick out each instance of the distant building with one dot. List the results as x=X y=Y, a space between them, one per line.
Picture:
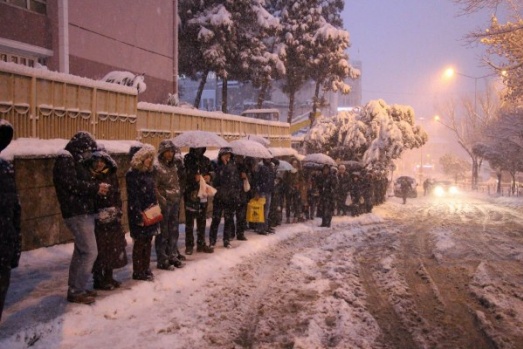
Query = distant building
x=92 y=38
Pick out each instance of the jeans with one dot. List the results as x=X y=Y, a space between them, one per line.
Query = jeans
x=201 y=219
x=227 y=210
x=85 y=251
x=166 y=243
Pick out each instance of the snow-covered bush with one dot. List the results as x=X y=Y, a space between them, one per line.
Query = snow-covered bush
x=374 y=135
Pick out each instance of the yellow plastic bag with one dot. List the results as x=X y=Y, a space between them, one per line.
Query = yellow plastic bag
x=255 y=210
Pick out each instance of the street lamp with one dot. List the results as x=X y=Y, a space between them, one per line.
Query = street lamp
x=449 y=74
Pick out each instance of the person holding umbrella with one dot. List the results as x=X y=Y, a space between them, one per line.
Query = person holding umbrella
x=197 y=170
x=328 y=190
x=228 y=184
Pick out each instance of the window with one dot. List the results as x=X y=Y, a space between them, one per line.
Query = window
x=38 y=6
x=21 y=59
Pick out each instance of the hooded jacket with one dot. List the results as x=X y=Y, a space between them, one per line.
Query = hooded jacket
x=75 y=188
x=168 y=175
x=141 y=193
x=10 y=211
x=227 y=181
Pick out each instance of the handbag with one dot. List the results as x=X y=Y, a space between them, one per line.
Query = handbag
x=152 y=215
x=255 y=213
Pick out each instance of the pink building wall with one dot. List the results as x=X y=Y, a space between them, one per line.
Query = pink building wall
x=135 y=36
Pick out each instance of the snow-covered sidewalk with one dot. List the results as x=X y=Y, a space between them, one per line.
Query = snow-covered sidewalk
x=38 y=315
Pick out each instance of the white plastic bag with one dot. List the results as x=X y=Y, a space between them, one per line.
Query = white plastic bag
x=206 y=191
x=348 y=200
x=246 y=185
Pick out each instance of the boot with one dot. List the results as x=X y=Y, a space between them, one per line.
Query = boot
x=109 y=279
x=100 y=282
x=241 y=237
x=204 y=248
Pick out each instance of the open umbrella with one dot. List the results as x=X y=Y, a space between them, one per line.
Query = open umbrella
x=262 y=140
x=283 y=166
x=318 y=160
x=253 y=149
x=199 y=139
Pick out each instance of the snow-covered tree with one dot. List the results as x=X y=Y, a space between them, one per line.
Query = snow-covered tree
x=191 y=62
x=231 y=38
x=374 y=135
x=504 y=42
x=329 y=62
x=299 y=20
x=469 y=123
x=503 y=144
x=454 y=166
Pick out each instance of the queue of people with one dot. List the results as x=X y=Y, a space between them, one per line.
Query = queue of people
x=159 y=183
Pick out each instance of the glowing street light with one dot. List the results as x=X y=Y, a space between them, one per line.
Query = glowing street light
x=449 y=74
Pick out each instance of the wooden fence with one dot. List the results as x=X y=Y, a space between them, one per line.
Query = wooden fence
x=46 y=105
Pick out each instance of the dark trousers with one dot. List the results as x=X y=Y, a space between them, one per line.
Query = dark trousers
x=142 y=254
x=292 y=204
x=5 y=278
x=241 y=218
x=227 y=210
x=200 y=218
x=327 y=212
x=166 y=243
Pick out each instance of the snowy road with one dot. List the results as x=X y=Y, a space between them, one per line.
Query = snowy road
x=435 y=273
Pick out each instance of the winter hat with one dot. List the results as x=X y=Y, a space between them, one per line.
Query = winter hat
x=134 y=149
x=225 y=150
x=103 y=155
x=6 y=134
x=166 y=145
x=81 y=143
x=137 y=162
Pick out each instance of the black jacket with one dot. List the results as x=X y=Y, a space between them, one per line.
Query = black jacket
x=194 y=164
x=10 y=237
x=75 y=188
x=228 y=183
x=141 y=194
x=10 y=211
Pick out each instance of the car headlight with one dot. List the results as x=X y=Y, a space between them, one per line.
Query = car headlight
x=439 y=191
x=453 y=190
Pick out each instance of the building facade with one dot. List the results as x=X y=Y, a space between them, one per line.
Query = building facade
x=92 y=38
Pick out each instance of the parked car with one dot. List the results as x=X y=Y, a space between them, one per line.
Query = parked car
x=413 y=186
x=444 y=188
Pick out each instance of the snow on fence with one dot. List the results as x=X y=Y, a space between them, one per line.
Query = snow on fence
x=48 y=105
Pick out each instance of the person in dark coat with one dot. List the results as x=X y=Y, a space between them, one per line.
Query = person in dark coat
x=293 y=183
x=277 y=201
x=343 y=190
x=368 y=191
x=244 y=168
x=313 y=193
x=141 y=195
x=264 y=186
x=405 y=188
x=197 y=166
x=110 y=235
x=10 y=211
x=77 y=190
x=169 y=173
x=329 y=185
x=228 y=183
x=356 y=194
